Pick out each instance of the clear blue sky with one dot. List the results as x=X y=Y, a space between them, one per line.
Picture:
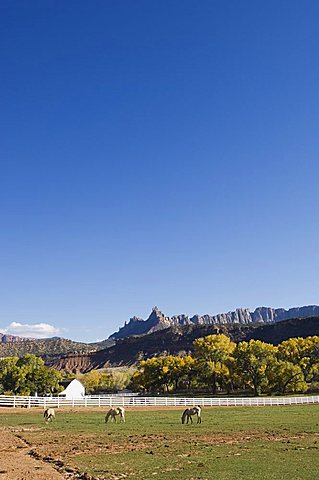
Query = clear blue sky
x=156 y=153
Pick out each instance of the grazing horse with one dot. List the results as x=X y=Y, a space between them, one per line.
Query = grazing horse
x=188 y=412
x=113 y=412
x=49 y=414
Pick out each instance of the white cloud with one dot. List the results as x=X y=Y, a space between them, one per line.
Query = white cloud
x=36 y=330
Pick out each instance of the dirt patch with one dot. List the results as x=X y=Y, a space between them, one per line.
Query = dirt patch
x=17 y=464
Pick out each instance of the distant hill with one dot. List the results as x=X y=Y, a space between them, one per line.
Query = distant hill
x=50 y=348
x=177 y=339
x=158 y=321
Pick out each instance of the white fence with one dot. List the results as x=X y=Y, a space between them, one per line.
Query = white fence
x=137 y=401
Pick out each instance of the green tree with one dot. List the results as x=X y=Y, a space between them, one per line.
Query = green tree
x=212 y=355
x=252 y=359
x=303 y=352
x=28 y=375
x=283 y=376
x=10 y=375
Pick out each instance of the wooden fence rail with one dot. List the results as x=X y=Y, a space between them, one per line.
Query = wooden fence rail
x=132 y=401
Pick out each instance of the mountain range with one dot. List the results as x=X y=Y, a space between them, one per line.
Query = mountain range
x=158 y=321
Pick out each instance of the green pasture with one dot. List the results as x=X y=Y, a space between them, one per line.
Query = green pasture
x=231 y=443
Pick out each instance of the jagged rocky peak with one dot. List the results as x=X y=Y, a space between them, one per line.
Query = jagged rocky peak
x=158 y=321
x=136 y=326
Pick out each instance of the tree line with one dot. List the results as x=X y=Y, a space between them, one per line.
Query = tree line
x=219 y=365
x=28 y=375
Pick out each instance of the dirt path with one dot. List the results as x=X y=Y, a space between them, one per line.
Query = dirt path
x=17 y=464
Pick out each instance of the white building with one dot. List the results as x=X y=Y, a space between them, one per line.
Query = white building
x=72 y=389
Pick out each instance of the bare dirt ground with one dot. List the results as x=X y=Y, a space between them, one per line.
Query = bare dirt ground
x=17 y=462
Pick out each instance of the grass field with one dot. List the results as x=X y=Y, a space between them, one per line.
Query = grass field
x=231 y=443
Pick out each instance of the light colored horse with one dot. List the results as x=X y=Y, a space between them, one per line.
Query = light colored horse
x=188 y=412
x=49 y=414
x=113 y=412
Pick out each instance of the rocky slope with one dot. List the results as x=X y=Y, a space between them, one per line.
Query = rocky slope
x=177 y=339
x=158 y=321
x=50 y=348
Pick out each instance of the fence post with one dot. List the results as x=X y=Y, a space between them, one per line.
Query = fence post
x=14 y=402
x=29 y=402
x=99 y=401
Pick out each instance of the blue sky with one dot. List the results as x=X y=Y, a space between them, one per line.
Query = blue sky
x=156 y=153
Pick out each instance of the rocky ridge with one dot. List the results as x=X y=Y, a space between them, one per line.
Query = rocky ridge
x=158 y=321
